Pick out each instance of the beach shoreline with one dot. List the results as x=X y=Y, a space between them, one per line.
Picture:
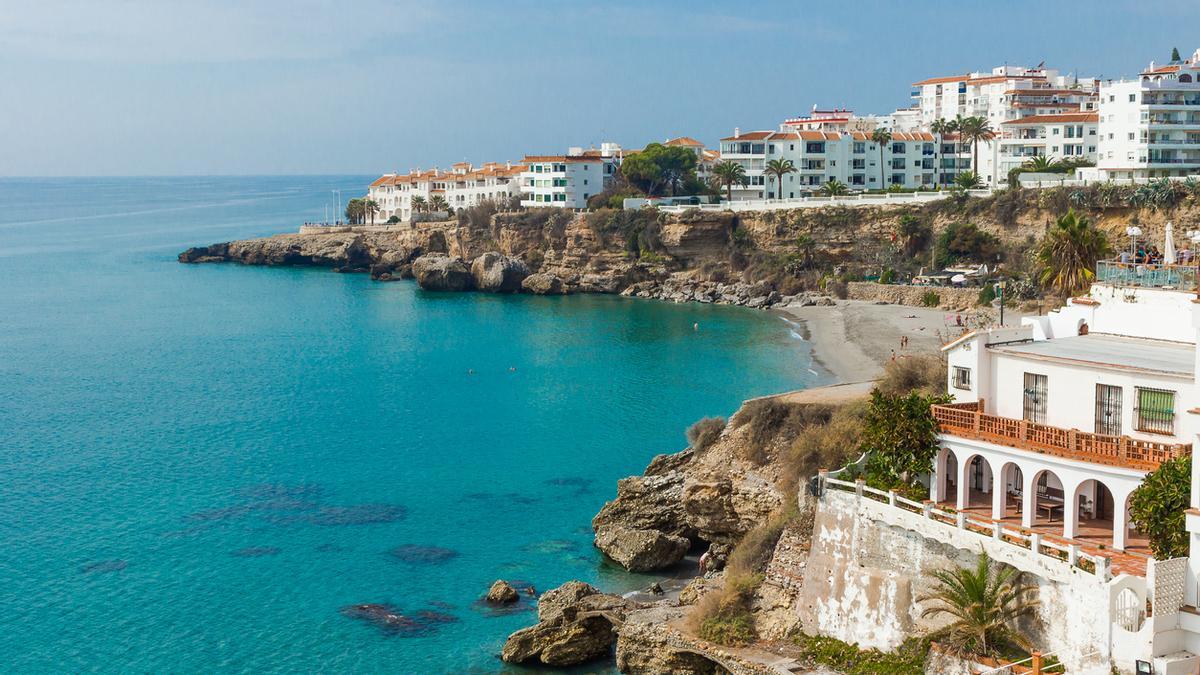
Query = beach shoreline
x=853 y=340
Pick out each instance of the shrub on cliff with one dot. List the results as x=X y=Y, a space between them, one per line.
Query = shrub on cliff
x=724 y=616
x=907 y=659
x=965 y=242
x=770 y=418
x=705 y=432
x=1157 y=507
x=900 y=436
x=925 y=374
x=821 y=446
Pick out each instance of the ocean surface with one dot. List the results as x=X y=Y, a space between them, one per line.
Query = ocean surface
x=202 y=467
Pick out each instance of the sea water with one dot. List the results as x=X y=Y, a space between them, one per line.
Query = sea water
x=205 y=467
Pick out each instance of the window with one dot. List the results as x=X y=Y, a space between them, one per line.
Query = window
x=1034 y=407
x=1155 y=412
x=860 y=148
x=1108 y=410
x=962 y=377
x=1132 y=98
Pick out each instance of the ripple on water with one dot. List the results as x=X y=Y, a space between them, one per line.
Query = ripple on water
x=256 y=552
x=103 y=566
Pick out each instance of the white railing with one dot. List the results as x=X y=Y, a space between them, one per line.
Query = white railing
x=1071 y=554
x=867 y=198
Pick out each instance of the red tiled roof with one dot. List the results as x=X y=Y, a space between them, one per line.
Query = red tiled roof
x=1173 y=68
x=685 y=140
x=1084 y=117
x=750 y=136
x=942 y=80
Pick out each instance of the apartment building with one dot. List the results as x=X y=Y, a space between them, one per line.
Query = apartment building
x=819 y=156
x=1006 y=93
x=463 y=186
x=567 y=181
x=1072 y=135
x=1150 y=126
x=705 y=159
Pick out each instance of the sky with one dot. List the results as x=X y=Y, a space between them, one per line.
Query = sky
x=202 y=87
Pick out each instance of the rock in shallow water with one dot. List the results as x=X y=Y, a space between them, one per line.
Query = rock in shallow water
x=501 y=593
x=639 y=550
x=544 y=284
x=575 y=625
x=439 y=272
x=416 y=553
x=498 y=273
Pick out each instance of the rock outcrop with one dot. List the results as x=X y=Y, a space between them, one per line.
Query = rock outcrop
x=440 y=272
x=640 y=550
x=497 y=273
x=502 y=593
x=576 y=624
x=544 y=283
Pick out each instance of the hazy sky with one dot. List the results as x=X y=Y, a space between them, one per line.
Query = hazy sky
x=100 y=87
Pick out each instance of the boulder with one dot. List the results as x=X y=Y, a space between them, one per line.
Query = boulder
x=501 y=593
x=544 y=283
x=498 y=273
x=439 y=272
x=639 y=550
x=649 y=502
x=575 y=625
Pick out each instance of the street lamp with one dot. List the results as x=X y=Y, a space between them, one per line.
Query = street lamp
x=1134 y=232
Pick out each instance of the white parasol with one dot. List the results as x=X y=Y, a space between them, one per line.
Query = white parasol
x=1169 y=245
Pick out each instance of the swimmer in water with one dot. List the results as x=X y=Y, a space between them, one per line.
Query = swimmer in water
x=695 y=326
x=470 y=371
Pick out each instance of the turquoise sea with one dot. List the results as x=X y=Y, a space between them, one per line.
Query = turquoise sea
x=202 y=466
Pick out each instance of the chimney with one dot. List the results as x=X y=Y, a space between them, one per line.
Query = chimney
x=737 y=132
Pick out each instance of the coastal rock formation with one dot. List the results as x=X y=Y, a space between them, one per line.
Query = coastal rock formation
x=544 y=283
x=501 y=593
x=498 y=273
x=639 y=550
x=576 y=624
x=440 y=272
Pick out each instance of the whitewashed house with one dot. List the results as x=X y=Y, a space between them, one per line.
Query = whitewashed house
x=567 y=181
x=463 y=186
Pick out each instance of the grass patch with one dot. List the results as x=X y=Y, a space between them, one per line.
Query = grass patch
x=823 y=446
x=923 y=374
x=770 y=418
x=908 y=659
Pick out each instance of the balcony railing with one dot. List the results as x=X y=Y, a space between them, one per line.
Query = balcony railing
x=968 y=420
x=1182 y=277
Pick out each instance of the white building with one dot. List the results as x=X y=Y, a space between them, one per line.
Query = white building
x=463 y=186
x=1056 y=137
x=1150 y=126
x=1053 y=426
x=819 y=156
x=567 y=181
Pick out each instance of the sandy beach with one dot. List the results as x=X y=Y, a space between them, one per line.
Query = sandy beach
x=854 y=339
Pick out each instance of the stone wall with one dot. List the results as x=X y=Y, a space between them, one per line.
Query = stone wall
x=957 y=299
x=870 y=562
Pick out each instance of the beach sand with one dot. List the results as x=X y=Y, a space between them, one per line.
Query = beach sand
x=852 y=340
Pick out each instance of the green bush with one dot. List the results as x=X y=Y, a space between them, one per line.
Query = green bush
x=931 y=299
x=1157 y=507
x=907 y=659
x=822 y=446
x=724 y=616
x=987 y=294
x=888 y=276
x=900 y=436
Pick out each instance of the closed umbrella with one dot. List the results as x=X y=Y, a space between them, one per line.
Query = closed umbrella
x=1169 y=245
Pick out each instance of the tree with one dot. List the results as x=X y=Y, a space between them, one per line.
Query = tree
x=1040 y=163
x=1157 y=507
x=973 y=130
x=418 y=204
x=881 y=137
x=728 y=173
x=659 y=167
x=834 y=188
x=1069 y=252
x=983 y=605
x=1175 y=55
x=913 y=235
x=966 y=242
x=779 y=168
x=438 y=203
x=900 y=436
x=370 y=208
x=940 y=128
x=354 y=211
x=968 y=180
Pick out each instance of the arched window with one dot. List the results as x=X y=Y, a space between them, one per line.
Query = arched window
x=1185 y=78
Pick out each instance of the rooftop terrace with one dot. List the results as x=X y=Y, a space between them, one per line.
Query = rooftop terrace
x=1153 y=357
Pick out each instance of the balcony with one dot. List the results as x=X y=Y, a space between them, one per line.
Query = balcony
x=1134 y=275
x=967 y=420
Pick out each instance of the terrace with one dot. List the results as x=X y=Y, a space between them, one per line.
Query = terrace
x=1141 y=275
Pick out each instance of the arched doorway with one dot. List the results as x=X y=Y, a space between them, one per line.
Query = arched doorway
x=1044 y=500
x=947 y=477
x=1094 y=510
x=977 y=481
x=1006 y=496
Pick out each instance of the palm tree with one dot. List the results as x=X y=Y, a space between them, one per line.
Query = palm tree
x=1069 y=252
x=438 y=203
x=881 y=137
x=354 y=211
x=779 y=168
x=1040 y=163
x=834 y=188
x=418 y=203
x=940 y=128
x=968 y=180
x=728 y=173
x=983 y=604
x=370 y=207
x=973 y=130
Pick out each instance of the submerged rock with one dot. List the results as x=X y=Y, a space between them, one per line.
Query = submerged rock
x=639 y=550
x=440 y=272
x=416 y=553
x=575 y=625
x=358 y=514
x=498 y=273
x=501 y=593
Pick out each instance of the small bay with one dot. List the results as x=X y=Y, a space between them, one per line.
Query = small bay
x=212 y=467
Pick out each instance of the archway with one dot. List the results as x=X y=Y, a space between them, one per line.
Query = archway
x=1006 y=495
x=1043 y=502
x=975 y=486
x=1185 y=78
x=1092 y=512
x=946 y=478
